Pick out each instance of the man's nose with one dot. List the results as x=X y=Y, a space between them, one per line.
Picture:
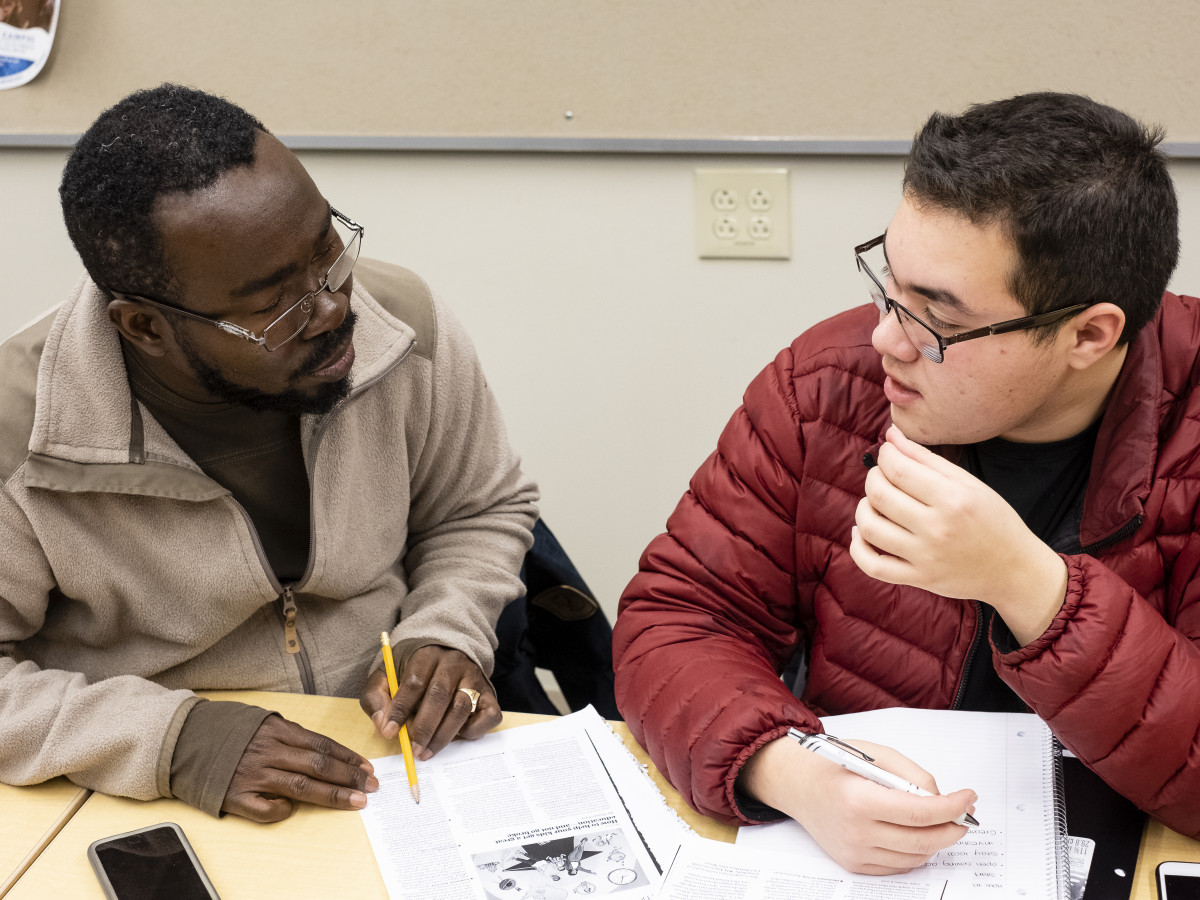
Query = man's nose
x=329 y=311
x=890 y=339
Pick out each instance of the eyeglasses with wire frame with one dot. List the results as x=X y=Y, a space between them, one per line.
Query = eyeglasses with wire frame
x=924 y=336
x=294 y=319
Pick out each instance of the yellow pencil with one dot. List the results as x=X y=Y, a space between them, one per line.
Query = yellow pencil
x=410 y=766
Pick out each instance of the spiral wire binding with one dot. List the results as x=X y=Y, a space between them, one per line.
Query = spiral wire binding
x=1062 y=856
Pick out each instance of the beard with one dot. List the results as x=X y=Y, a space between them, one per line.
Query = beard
x=291 y=401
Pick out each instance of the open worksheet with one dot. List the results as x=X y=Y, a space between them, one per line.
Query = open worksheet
x=1019 y=850
x=542 y=812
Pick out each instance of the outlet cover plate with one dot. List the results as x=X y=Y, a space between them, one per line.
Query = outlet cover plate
x=743 y=213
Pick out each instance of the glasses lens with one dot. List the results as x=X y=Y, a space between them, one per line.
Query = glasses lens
x=290 y=324
x=919 y=334
x=873 y=289
x=874 y=269
x=340 y=270
x=872 y=266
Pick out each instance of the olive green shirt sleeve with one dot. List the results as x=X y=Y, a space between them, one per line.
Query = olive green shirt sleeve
x=210 y=746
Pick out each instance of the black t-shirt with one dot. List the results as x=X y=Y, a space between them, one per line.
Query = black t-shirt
x=257 y=456
x=1043 y=483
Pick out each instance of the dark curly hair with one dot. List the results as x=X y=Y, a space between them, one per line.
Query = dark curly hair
x=1081 y=189
x=154 y=142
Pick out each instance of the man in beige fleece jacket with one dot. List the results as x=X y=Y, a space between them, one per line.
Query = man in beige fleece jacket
x=232 y=458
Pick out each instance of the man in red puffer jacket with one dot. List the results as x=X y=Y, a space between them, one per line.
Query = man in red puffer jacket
x=978 y=492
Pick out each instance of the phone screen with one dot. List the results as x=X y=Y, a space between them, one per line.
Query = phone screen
x=1182 y=887
x=151 y=865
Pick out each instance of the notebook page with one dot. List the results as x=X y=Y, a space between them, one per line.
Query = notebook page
x=711 y=870
x=1006 y=758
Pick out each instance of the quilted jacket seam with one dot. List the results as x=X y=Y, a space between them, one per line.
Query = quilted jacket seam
x=737 y=534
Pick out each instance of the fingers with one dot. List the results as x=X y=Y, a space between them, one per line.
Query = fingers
x=865 y=827
x=430 y=699
x=880 y=566
x=296 y=740
x=921 y=454
x=905 y=812
x=881 y=529
x=907 y=477
x=256 y=807
x=896 y=832
x=487 y=716
x=900 y=850
x=898 y=764
x=286 y=762
x=924 y=521
x=888 y=497
x=450 y=724
x=376 y=701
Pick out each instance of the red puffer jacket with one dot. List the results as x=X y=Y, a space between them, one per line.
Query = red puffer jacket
x=755 y=561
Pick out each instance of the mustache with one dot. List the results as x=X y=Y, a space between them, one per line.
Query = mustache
x=324 y=345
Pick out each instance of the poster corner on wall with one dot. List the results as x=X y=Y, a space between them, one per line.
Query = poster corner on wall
x=26 y=34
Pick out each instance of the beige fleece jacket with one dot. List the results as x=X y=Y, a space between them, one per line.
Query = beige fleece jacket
x=128 y=578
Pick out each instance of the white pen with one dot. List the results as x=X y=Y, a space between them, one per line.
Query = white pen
x=854 y=760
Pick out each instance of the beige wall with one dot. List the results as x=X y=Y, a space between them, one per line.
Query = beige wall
x=807 y=69
x=617 y=354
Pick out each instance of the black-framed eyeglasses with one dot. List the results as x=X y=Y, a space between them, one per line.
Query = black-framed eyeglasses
x=297 y=316
x=924 y=336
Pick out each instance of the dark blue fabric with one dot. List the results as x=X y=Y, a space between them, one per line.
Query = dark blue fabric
x=576 y=649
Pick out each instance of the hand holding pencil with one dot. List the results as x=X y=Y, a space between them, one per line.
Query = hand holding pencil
x=439 y=694
x=410 y=766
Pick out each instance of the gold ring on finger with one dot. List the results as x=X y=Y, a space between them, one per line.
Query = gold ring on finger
x=474 y=695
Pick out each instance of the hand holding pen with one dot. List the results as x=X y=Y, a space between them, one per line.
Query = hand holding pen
x=864 y=829
x=855 y=760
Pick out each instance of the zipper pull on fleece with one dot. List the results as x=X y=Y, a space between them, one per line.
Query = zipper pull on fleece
x=291 y=639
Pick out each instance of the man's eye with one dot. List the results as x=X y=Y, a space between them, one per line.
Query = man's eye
x=270 y=309
x=937 y=323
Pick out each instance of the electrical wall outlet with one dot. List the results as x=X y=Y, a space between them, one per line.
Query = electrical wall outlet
x=743 y=213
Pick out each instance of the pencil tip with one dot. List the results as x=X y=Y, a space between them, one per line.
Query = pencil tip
x=416 y=792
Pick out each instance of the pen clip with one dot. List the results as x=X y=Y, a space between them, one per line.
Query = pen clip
x=849 y=748
x=806 y=738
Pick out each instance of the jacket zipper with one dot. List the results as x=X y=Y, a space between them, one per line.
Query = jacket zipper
x=286 y=607
x=287 y=599
x=291 y=639
x=1116 y=537
x=966 y=669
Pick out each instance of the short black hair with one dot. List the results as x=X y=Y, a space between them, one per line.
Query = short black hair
x=158 y=141
x=1081 y=188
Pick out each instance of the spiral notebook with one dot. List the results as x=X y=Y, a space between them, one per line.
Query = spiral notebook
x=1011 y=760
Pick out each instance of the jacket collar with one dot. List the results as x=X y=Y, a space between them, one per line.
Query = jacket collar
x=88 y=429
x=1127 y=443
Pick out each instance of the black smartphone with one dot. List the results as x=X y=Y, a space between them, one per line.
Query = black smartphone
x=154 y=863
x=1178 y=880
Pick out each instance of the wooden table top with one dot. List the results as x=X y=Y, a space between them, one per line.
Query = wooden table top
x=316 y=852
x=30 y=817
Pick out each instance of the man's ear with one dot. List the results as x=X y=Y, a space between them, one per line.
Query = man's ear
x=1094 y=333
x=144 y=327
